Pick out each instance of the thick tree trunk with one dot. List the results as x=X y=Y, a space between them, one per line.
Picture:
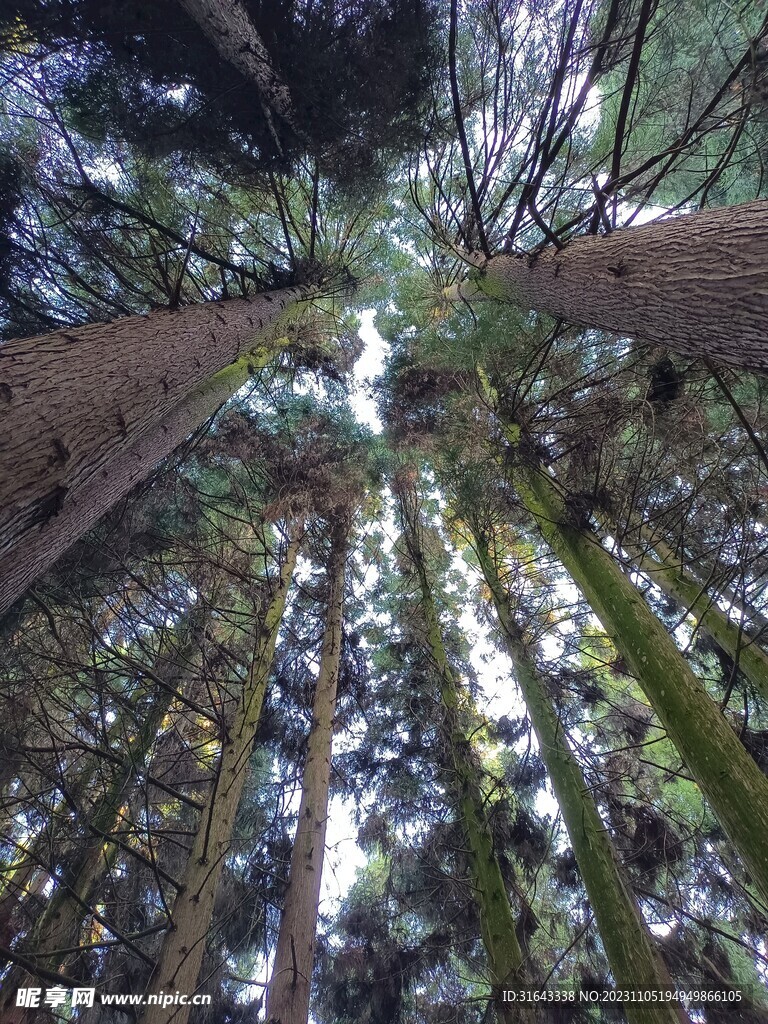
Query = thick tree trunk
x=735 y=787
x=228 y=26
x=665 y=571
x=632 y=954
x=290 y=984
x=73 y=402
x=697 y=284
x=497 y=921
x=183 y=948
x=39 y=548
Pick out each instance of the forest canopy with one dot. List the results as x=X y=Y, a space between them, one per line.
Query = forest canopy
x=383 y=481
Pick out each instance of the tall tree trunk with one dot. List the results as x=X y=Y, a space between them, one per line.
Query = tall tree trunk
x=74 y=401
x=181 y=953
x=632 y=954
x=735 y=787
x=39 y=548
x=497 y=921
x=289 y=987
x=668 y=575
x=228 y=26
x=68 y=907
x=697 y=284
x=31 y=871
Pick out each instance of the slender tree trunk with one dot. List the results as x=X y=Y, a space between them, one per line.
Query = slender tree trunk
x=228 y=26
x=702 y=571
x=68 y=907
x=181 y=953
x=291 y=981
x=632 y=954
x=71 y=901
x=31 y=872
x=72 y=402
x=497 y=921
x=735 y=787
x=693 y=597
x=697 y=284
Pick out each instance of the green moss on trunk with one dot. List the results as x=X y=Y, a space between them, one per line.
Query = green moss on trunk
x=735 y=787
x=497 y=922
x=632 y=955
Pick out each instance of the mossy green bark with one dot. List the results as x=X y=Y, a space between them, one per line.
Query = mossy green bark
x=634 y=960
x=734 y=786
x=497 y=921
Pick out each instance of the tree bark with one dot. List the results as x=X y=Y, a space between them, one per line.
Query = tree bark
x=38 y=550
x=289 y=987
x=85 y=414
x=227 y=25
x=634 y=960
x=734 y=786
x=181 y=953
x=696 y=284
x=497 y=922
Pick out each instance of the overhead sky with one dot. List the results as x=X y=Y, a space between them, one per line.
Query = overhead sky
x=369 y=365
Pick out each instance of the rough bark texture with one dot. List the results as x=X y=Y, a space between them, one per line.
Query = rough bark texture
x=228 y=26
x=80 y=407
x=181 y=954
x=83 y=506
x=735 y=787
x=497 y=921
x=697 y=284
x=668 y=575
x=634 y=960
x=290 y=984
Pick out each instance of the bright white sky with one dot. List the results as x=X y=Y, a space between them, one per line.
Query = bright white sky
x=369 y=365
